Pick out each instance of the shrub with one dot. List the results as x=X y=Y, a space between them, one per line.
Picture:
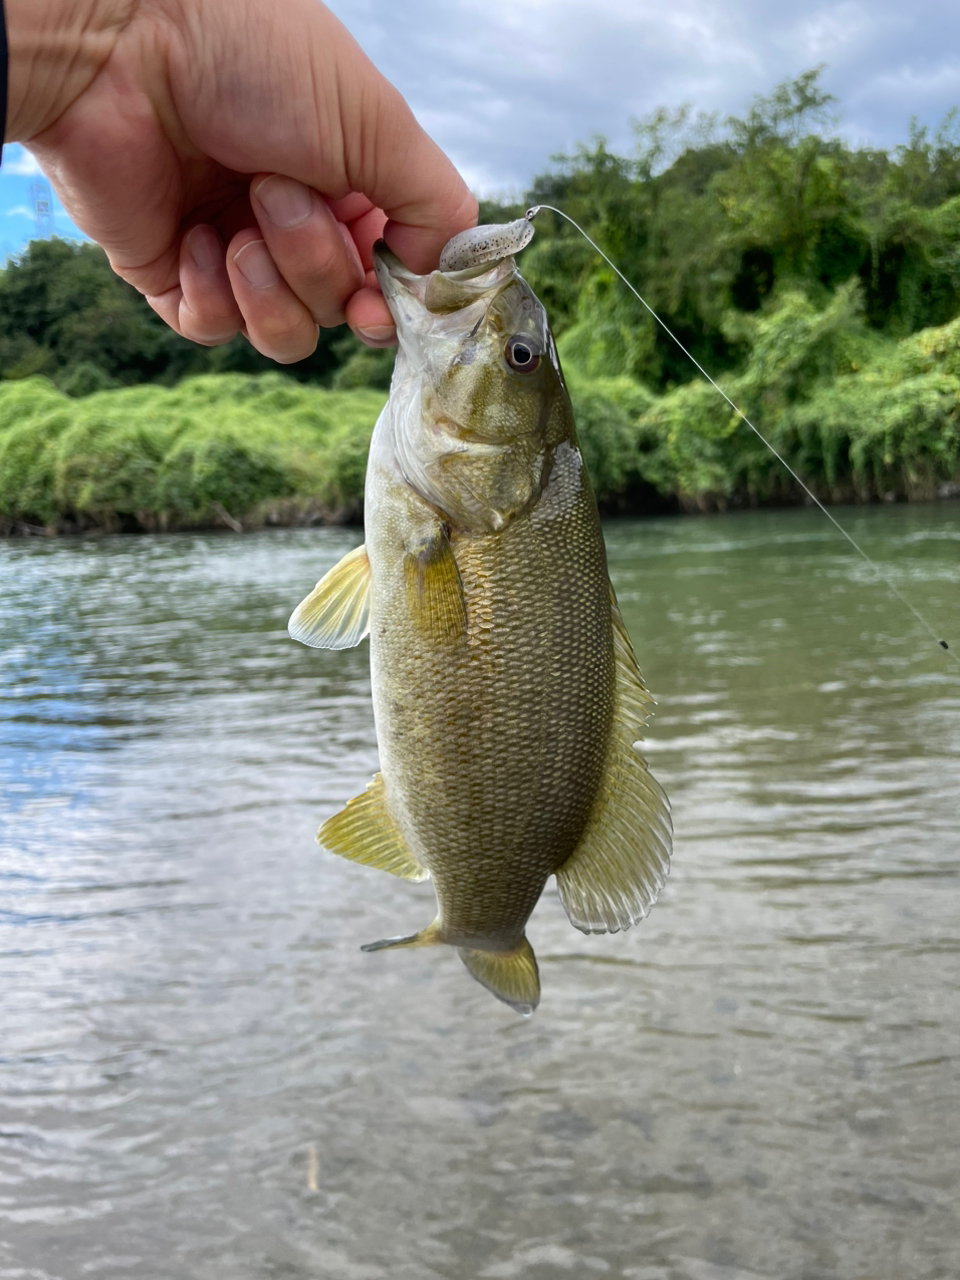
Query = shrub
x=158 y=457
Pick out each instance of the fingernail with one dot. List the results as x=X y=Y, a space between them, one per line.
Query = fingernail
x=285 y=201
x=256 y=266
x=379 y=334
x=205 y=248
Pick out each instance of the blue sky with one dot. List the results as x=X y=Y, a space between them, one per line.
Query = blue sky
x=504 y=84
x=17 y=218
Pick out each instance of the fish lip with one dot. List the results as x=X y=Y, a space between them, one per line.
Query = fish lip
x=389 y=268
x=390 y=271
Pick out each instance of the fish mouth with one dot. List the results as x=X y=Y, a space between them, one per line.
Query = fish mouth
x=439 y=292
x=389 y=270
x=403 y=290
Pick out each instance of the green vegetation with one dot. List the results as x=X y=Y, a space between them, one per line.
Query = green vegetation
x=211 y=450
x=65 y=315
x=819 y=283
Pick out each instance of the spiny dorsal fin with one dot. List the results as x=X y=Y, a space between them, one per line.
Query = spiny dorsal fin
x=434 y=589
x=615 y=874
x=512 y=976
x=336 y=613
x=364 y=832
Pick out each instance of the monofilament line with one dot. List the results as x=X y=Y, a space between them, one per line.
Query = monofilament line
x=532 y=213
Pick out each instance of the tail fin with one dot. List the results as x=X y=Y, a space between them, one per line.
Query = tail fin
x=429 y=937
x=512 y=976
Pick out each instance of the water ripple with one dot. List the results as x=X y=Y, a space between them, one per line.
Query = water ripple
x=201 y=1075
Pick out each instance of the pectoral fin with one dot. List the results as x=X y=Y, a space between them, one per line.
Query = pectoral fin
x=336 y=613
x=434 y=589
x=512 y=976
x=364 y=832
x=614 y=876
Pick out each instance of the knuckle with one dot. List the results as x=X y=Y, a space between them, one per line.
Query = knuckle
x=209 y=327
x=220 y=340
x=324 y=281
x=286 y=343
x=209 y=332
x=329 y=317
x=328 y=263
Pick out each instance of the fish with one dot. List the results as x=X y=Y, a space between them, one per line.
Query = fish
x=507 y=698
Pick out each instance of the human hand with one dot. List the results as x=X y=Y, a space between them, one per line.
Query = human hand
x=236 y=159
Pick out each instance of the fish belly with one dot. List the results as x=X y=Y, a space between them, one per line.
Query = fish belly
x=493 y=741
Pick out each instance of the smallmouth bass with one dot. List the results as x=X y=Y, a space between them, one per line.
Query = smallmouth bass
x=506 y=694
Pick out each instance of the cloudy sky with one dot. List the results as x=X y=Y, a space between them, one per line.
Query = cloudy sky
x=504 y=84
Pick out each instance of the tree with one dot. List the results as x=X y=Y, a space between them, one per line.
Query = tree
x=61 y=307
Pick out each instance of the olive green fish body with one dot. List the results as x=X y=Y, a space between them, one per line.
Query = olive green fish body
x=506 y=694
x=493 y=741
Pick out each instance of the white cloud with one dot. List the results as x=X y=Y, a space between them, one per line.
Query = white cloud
x=20 y=211
x=21 y=163
x=503 y=85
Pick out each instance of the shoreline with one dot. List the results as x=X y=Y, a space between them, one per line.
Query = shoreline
x=308 y=515
x=236 y=452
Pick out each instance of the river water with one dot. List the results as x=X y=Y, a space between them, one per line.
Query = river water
x=202 y=1077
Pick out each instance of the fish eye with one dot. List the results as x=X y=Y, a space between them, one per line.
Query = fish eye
x=521 y=354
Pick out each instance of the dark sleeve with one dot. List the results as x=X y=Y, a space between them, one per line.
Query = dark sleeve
x=3 y=76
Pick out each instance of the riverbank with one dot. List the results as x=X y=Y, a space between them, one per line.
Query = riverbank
x=860 y=422
x=217 y=450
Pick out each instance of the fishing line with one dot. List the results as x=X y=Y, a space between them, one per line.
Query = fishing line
x=878 y=569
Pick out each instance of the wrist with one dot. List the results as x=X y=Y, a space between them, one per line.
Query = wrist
x=56 y=48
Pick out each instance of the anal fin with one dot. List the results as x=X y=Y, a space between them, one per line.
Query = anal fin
x=336 y=613
x=615 y=874
x=364 y=832
x=512 y=976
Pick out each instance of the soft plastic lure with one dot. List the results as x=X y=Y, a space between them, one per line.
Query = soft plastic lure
x=492 y=243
